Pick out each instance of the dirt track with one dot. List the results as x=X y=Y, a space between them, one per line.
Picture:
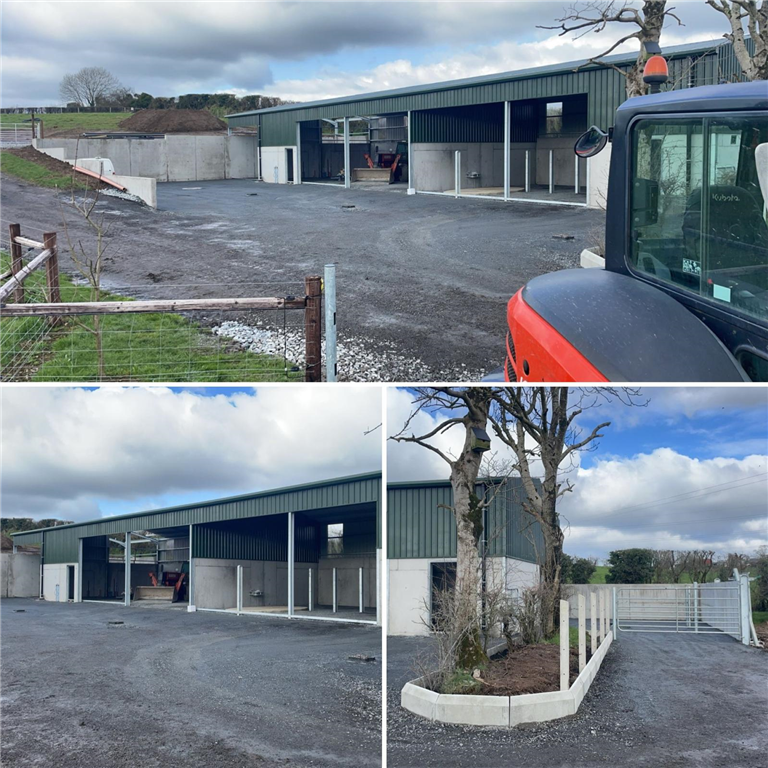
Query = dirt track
x=423 y=281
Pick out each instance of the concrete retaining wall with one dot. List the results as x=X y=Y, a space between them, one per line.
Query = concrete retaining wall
x=174 y=158
x=503 y=711
x=19 y=574
x=652 y=591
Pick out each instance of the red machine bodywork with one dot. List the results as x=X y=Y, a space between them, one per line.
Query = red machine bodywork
x=537 y=352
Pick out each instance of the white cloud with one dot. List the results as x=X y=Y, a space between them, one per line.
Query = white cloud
x=67 y=450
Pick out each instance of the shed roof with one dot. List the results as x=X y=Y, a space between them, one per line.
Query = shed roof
x=676 y=51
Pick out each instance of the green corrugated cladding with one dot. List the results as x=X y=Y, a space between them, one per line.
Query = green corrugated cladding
x=603 y=86
x=421 y=523
x=61 y=542
x=261 y=539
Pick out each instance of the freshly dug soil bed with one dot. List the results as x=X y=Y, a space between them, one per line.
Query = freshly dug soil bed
x=173 y=121
x=528 y=669
x=55 y=166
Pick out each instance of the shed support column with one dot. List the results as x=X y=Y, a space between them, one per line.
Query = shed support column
x=291 y=563
x=506 y=149
x=347 y=162
x=297 y=162
x=360 y=591
x=309 y=599
x=79 y=579
x=527 y=170
x=335 y=604
x=551 y=171
x=457 y=173
x=191 y=585
x=411 y=187
x=128 y=568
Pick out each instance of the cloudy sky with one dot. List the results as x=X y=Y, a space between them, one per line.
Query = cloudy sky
x=689 y=470
x=78 y=454
x=295 y=50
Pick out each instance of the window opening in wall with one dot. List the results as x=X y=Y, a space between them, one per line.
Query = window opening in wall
x=554 y=117
x=335 y=539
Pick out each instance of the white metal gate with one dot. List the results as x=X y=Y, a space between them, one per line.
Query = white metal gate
x=701 y=609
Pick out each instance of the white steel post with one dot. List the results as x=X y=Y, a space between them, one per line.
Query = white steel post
x=239 y=607
x=297 y=163
x=79 y=579
x=527 y=170
x=615 y=614
x=191 y=585
x=360 y=590
x=582 y=609
x=745 y=608
x=506 y=149
x=592 y=622
x=378 y=591
x=291 y=563
x=329 y=288
x=551 y=172
x=127 y=569
x=411 y=186
x=603 y=631
x=347 y=169
x=335 y=604
x=586 y=183
x=565 y=671
x=695 y=607
x=457 y=173
x=576 y=174
x=309 y=599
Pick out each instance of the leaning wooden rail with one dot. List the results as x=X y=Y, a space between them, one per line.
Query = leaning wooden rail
x=17 y=279
x=159 y=305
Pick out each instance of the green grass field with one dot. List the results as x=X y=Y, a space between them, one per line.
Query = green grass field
x=86 y=121
x=140 y=347
x=758 y=617
x=26 y=170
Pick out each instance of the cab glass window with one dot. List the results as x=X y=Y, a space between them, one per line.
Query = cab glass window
x=697 y=211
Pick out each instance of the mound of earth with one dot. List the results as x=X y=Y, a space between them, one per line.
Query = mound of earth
x=54 y=165
x=173 y=121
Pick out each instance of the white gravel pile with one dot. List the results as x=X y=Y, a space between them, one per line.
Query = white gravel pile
x=359 y=359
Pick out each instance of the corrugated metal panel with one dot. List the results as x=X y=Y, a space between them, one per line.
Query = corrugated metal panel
x=61 y=542
x=421 y=523
x=604 y=87
x=61 y=545
x=261 y=539
x=28 y=538
x=483 y=123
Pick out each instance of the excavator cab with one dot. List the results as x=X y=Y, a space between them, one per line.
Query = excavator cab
x=684 y=292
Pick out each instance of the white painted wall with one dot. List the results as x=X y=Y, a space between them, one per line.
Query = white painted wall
x=409 y=588
x=56 y=575
x=275 y=158
x=19 y=574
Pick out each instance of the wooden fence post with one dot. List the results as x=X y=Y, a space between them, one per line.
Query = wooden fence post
x=16 y=259
x=53 y=291
x=313 y=329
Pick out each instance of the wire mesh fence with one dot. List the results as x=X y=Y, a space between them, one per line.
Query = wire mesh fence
x=245 y=332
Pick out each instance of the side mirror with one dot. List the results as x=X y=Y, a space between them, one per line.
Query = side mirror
x=590 y=142
x=645 y=202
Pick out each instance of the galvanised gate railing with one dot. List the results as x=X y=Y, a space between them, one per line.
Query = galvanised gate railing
x=712 y=608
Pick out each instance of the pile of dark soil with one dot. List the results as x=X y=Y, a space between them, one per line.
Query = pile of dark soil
x=173 y=121
x=55 y=166
x=528 y=669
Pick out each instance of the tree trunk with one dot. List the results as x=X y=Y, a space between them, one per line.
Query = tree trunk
x=653 y=22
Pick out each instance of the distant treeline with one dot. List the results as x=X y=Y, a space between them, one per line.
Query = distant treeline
x=17 y=524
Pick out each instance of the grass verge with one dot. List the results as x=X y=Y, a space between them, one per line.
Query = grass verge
x=140 y=347
x=26 y=170
x=67 y=121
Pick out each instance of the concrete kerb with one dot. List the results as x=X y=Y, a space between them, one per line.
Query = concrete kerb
x=503 y=711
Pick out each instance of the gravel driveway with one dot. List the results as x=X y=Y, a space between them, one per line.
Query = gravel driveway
x=659 y=701
x=171 y=688
x=423 y=281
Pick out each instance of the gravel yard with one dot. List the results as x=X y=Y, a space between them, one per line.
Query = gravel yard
x=423 y=281
x=675 y=701
x=167 y=687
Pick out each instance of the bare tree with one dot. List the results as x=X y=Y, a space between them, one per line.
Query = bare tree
x=89 y=86
x=539 y=425
x=466 y=408
x=701 y=562
x=754 y=65
x=596 y=15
